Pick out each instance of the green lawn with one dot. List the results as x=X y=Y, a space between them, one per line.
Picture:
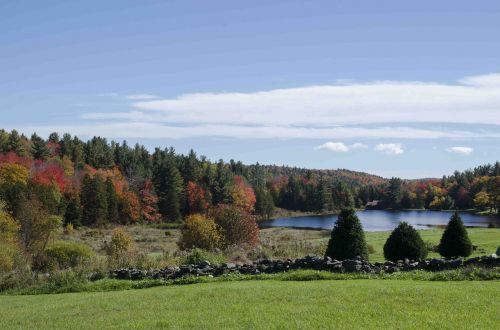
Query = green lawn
x=487 y=240
x=266 y=304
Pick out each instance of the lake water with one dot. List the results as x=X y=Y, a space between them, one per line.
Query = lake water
x=379 y=220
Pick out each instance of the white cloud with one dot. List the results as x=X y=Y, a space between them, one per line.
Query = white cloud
x=390 y=148
x=347 y=110
x=465 y=151
x=138 y=129
x=485 y=80
x=137 y=97
x=341 y=104
x=340 y=146
x=333 y=146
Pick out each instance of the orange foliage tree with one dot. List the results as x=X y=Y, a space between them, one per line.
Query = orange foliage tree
x=242 y=194
x=237 y=226
x=196 y=198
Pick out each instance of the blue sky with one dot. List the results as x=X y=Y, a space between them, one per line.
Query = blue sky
x=389 y=87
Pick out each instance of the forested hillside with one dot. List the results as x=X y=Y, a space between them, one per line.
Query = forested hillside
x=96 y=182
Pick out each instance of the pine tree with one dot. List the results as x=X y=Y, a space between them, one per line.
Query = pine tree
x=39 y=148
x=404 y=242
x=94 y=202
x=15 y=143
x=347 y=238
x=455 y=241
x=73 y=211
x=168 y=185
x=112 y=201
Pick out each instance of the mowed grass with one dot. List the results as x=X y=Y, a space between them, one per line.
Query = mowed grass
x=487 y=240
x=359 y=304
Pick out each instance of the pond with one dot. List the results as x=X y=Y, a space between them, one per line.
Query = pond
x=380 y=220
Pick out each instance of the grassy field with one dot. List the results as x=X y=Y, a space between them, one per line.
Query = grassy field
x=298 y=241
x=266 y=304
x=275 y=242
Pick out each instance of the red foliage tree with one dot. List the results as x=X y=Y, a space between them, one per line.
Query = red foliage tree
x=196 y=198
x=149 y=202
x=49 y=174
x=238 y=227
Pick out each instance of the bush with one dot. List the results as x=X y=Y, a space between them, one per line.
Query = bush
x=371 y=249
x=404 y=242
x=237 y=226
x=455 y=241
x=121 y=244
x=11 y=257
x=201 y=232
x=431 y=246
x=67 y=254
x=347 y=238
x=9 y=228
x=196 y=256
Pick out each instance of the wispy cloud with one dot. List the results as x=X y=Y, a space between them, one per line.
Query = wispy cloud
x=136 y=97
x=390 y=148
x=347 y=110
x=485 y=80
x=345 y=104
x=465 y=151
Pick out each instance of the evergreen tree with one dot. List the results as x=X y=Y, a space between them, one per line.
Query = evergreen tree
x=94 y=201
x=455 y=241
x=404 y=242
x=54 y=137
x=264 y=205
x=394 y=193
x=15 y=143
x=347 y=238
x=4 y=139
x=168 y=185
x=112 y=201
x=98 y=153
x=39 y=148
x=73 y=211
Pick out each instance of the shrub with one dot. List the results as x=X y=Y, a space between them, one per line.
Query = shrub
x=455 y=241
x=121 y=244
x=196 y=256
x=67 y=254
x=371 y=249
x=431 y=246
x=237 y=226
x=201 y=232
x=11 y=257
x=9 y=228
x=404 y=242
x=347 y=239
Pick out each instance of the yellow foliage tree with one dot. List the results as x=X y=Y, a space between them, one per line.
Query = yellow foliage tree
x=199 y=231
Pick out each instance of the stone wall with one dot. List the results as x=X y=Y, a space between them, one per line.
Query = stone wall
x=267 y=266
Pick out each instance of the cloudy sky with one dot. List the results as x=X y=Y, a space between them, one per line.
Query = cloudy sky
x=411 y=90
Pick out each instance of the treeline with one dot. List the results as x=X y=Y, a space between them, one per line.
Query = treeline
x=95 y=182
